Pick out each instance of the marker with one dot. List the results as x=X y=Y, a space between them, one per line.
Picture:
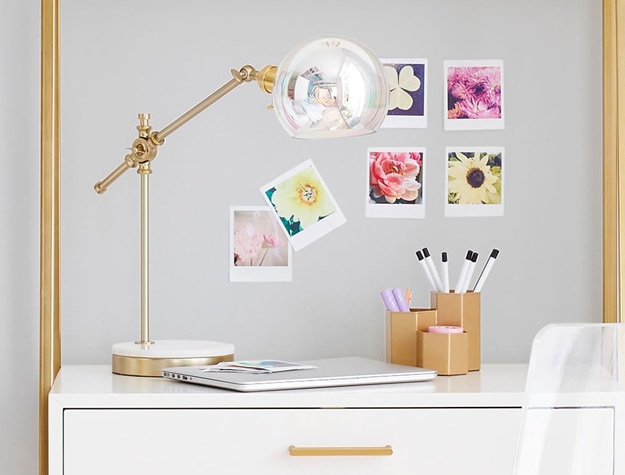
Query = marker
x=445 y=270
x=400 y=300
x=389 y=300
x=486 y=270
x=430 y=263
x=408 y=296
x=463 y=272
x=426 y=270
x=470 y=270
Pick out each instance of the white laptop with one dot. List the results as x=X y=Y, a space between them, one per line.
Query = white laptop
x=348 y=371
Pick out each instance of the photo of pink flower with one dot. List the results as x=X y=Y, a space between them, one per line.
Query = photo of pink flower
x=394 y=176
x=257 y=241
x=259 y=251
x=474 y=98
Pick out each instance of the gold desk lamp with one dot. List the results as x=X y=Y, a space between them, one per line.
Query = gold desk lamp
x=328 y=87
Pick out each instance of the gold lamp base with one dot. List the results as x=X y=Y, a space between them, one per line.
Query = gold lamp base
x=142 y=359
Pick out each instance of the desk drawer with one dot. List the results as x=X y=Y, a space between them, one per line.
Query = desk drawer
x=257 y=441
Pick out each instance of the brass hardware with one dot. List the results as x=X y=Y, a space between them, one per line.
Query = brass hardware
x=137 y=366
x=266 y=78
x=339 y=451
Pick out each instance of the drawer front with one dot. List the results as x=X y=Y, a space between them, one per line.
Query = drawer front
x=257 y=441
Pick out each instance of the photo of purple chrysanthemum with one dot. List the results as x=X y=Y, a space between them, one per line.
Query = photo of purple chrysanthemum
x=474 y=92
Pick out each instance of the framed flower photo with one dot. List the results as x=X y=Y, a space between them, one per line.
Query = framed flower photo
x=258 y=248
x=407 y=82
x=395 y=182
x=303 y=205
x=475 y=181
x=474 y=95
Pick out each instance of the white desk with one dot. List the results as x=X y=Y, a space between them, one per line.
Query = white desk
x=101 y=423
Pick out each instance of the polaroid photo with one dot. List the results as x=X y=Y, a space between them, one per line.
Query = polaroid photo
x=395 y=182
x=475 y=181
x=303 y=205
x=474 y=95
x=408 y=104
x=259 y=251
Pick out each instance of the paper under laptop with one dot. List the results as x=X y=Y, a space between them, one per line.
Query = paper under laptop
x=347 y=371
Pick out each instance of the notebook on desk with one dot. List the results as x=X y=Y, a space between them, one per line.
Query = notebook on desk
x=347 y=371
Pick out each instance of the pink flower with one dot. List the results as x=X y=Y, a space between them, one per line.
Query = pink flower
x=394 y=175
x=247 y=244
x=476 y=109
x=269 y=240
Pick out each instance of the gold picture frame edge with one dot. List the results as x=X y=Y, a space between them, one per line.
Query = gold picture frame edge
x=50 y=182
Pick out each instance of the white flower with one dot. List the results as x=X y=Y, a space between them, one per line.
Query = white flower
x=399 y=83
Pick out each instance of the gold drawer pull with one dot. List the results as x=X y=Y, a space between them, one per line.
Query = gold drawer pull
x=333 y=451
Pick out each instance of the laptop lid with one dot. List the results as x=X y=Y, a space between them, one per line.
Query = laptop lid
x=347 y=371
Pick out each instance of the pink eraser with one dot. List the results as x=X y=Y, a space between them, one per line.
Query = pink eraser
x=445 y=329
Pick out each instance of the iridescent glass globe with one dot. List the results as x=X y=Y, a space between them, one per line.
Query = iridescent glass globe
x=330 y=87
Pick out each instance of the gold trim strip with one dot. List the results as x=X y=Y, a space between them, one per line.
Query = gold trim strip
x=49 y=294
x=610 y=162
x=137 y=366
x=339 y=451
x=613 y=169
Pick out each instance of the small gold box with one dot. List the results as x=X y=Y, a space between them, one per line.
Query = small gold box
x=461 y=310
x=401 y=334
x=447 y=353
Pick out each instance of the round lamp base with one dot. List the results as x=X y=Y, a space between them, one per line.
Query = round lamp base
x=140 y=359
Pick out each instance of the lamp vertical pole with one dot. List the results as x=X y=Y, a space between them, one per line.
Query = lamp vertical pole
x=145 y=171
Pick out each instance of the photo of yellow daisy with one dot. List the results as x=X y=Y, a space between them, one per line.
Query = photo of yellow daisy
x=474 y=181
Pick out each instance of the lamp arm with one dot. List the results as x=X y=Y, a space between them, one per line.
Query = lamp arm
x=144 y=148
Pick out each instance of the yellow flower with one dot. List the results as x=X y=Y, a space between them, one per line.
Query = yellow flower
x=399 y=83
x=471 y=180
x=304 y=197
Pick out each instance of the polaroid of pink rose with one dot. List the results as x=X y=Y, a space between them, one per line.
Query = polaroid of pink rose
x=474 y=95
x=395 y=182
x=259 y=252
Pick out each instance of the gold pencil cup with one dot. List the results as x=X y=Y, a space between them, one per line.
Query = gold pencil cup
x=462 y=310
x=401 y=334
x=447 y=353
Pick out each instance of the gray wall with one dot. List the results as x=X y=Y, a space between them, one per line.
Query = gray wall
x=19 y=235
x=549 y=270
x=550 y=236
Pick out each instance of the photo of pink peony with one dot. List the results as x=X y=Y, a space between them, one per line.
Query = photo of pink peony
x=395 y=176
x=474 y=95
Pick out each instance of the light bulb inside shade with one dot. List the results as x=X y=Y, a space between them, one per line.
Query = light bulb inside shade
x=330 y=87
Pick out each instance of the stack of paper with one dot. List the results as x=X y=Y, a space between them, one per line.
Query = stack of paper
x=260 y=366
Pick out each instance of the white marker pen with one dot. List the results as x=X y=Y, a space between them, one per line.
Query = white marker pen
x=426 y=270
x=486 y=270
x=430 y=263
x=463 y=272
x=445 y=269
x=470 y=270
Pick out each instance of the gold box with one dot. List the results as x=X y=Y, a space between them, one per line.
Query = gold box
x=447 y=353
x=462 y=310
x=401 y=334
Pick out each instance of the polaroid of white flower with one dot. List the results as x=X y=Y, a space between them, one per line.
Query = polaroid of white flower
x=475 y=181
x=408 y=95
x=259 y=252
x=303 y=205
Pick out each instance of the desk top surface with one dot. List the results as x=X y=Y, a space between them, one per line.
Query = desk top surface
x=495 y=385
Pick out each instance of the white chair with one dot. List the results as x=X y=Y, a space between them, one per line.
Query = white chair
x=573 y=418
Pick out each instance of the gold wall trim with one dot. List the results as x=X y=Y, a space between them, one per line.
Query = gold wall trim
x=613 y=171
x=49 y=240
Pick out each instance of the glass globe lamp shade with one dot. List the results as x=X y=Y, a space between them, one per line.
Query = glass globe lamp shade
x=330 y=87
